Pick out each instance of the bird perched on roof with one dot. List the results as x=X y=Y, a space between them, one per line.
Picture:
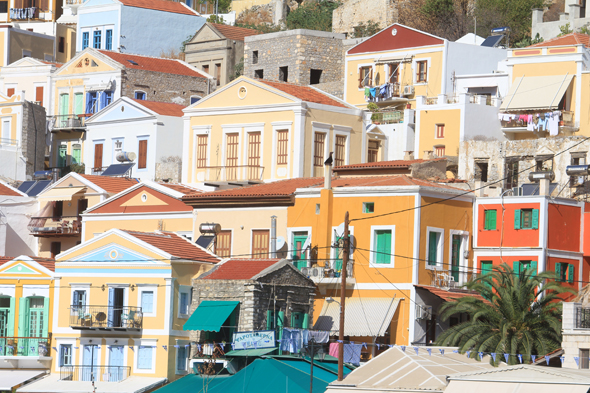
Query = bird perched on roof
x=329 y=160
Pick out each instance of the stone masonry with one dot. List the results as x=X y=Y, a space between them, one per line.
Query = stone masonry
x=283 y=289
x=33 y=137
x=352 y=12
x=303 y=54
x=163 y=87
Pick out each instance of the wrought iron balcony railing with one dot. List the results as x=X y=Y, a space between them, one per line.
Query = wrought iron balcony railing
x=69 y=123
x=94 y=373
x=55 y=226
x=24 y=346
x=106 y=317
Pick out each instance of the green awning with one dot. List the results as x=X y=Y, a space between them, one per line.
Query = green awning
x=250 y=352
x=189 y=382
x=210 y=315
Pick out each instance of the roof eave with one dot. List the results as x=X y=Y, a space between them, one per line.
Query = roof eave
x=239 y=201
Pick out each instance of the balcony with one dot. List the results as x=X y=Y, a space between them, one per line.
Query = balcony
x=239 y=173
x=388 y=117
x=106 y=318
x=63 y=226
x=8 y=142
x=519 y=122
x=69 y=123
x=96 y=373
x=464 y=98
x=393 y=94
x=24 y=346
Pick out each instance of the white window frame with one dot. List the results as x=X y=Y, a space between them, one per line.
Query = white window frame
x=415 y=62
x=184 y=289
x=145 y=343
x=463 y=262
x=342 y=131
x=333 y=251
x=323 y=129
x=147 y=153
x=276 y=127
x=373 y=256
x=229 y=130
x=290 y=239
x=2 y=121
x=440 y=249
x=59 y=341
x=79 y=287
x=182 y=343
x=358 y=73
x=148 y=288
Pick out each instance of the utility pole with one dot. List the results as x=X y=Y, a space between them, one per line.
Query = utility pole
x=343 y=272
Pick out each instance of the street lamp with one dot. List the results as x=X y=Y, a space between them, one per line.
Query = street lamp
x=312 y=350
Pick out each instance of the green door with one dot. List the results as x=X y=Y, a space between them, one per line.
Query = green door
x=299 y=256
x=76 y=153
x=64 y=109
x=455 y=257
x=78 y=103
x=37 y=321
x=338 y=256
x=62 y=155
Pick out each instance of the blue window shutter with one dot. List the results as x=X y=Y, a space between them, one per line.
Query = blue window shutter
x=517 y=219
x=145 y=357
x=535 y=218
x=85 y=40
x=558 y=271
x=109 y=40
x=102 y=100
x=88 y=102
x=61 y=355
x=570 y=273
x=147 y=301
x=181 y=358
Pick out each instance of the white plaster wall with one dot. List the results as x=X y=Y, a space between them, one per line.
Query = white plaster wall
x=400 y=137
x=12 y=163
x=500 y=81
x=169 y=137
x=481 y=121
x=15 y=213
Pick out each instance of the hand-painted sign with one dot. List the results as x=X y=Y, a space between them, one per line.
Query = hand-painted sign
x=254 y=340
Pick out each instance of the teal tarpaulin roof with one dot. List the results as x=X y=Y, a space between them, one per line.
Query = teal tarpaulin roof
x=250 y=352
x=210 y=315
x=192 y=383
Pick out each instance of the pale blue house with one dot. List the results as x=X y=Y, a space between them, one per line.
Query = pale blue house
x=144 y=27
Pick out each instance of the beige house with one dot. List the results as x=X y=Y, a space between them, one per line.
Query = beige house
x=257 y=130
x=18 y=43
x=217 y=49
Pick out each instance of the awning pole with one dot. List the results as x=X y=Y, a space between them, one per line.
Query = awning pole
x=562 y=82
x=515 y=90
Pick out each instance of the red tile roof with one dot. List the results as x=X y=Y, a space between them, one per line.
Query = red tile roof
x=305 y=93
x=277 y=188
x=387 y=181
x=155 y=64
x=48 y=263
x=239 y=269
x=181 y=188
x=112 y=185
x=8 y=191
x=385 y=164
x=569 y=39
x=163 y=108
x=160 y=5
x=233 y=32
x=57 y=65
x=450 y=295
x=175 y=245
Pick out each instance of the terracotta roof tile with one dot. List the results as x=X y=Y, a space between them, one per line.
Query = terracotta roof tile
x=277 y=188
x=384 y=164
x=160 y=5
x=57 y=65
x=449 y=295
x=155 y=64
x=110 y=184
x=233 y=32
x=387 y=181
x=569 y=39
x=163 y=108
x=8 y=191
x=175 y=245
x=48 y=263
x=304 y=93
x=239 y=269
x=181 y=188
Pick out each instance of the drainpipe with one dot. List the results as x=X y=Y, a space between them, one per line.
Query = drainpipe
x=273 y=236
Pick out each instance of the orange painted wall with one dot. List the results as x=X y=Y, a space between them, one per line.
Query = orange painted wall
x=505 y=234
x=586 y=240
x=551 y=261
x=497 y=261
x=564 y=227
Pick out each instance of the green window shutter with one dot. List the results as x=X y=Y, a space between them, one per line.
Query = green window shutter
x=570 y=273
x=516 y=267
x=517 y=219
x=45 y=317
x=533 y=266
x=11 y=317
x=281 y=319
x=23 y=314
x=535 y=218
x=493 y=219
x=432 y=248
x=383 y=246
x=270 y=319
x=486 y=267
x=486 y=224
x=305 y=324
x=558 y=271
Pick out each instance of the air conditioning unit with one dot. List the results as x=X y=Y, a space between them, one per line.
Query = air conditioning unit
x=305 y=271
x=423 y=312
x=315 y=272
x=408 y=90
x=516 y=191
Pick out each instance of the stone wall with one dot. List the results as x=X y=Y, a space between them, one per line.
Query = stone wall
x=33 y=137
x=573 y=339
x=163 y=87
x=300 y=51
x=169 y=168
x=352 y=12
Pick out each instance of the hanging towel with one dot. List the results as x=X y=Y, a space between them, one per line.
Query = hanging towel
x=352 y=353
x=553 y=123
x=367 y=92
x=373 y=91
x=319 y=336
x=383 y=89
x=529 y=123
x=333 y=349
x=294 y=340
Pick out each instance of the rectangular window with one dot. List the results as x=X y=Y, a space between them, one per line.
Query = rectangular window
x=300 y=249
x=255 y=57
x=258 y=74
x=55 y=249
x=260 y=243
x=481 y=171
x=564 y=272
x=184 y=303
x=62 y=156
x=6 y=134
x=79 y=300
x=96 y=39
x=282 y=147
x=421 y=71
x=526 y=219
x=202 y=150
x=85 y=40
x=315 y=76
x=340 y=152
x=108 y=98
x=231 y=162
x=142 y=156
x=284 y=74
x=523 y=266
x=433 y=245
x=490 y=220
x=61 y=47
x=76 y=153
x=39 y=95
x=181 y=357
x=440 y=131
x=439 y=151
x=144 y=357
x=108 y=45
x=368 y=207
x=140 y=95
x=218 y=73
x=223 y=244
x=10 y=91
x=393 y=72
x=3 y=7
x=254 y=156
x=206 y=68
x=383 y=246
x=318 y=149
x=98 y=156
x=147 y=302
x=92 y=102
x=65 y=355
x=584 y=361
x=365 y=76
x=511 y=174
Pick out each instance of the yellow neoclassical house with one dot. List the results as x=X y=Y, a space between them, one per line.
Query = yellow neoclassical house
x=257 y=130
x=121 y=302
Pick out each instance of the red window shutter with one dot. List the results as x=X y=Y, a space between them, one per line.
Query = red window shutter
x=142 y=162
x=39 y=95
x=44 y=5
x=98 y=155
x=10 y=92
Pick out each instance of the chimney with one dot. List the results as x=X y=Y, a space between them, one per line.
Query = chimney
x=273 y=237
x=54 y=175
x=409 y=155
x=427 y=154
x=544 y=187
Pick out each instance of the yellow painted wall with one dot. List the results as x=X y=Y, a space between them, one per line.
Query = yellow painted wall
x=242 y=5
x=35 y=43
x=9 y=112
x=584 y=115
x=356 y=95
x=168 y=224
x=429 y=118
x=543 y=69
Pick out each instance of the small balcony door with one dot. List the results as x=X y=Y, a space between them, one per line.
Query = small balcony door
x=253 y=155
x=36 y=324
x=90 y=360
x=456 y=257
x=115 y=309
x=231 y=170
x=116 y=363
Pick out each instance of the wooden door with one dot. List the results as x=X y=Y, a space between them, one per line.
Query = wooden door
x=98 y=156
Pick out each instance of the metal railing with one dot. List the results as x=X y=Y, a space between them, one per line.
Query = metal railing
x=55 y=226
x=8 y=141
x=582 y=318
x=105 y=317
x=24 y=346
x=388 y=117
x=233 y=173
x=69 y=122
x=567 y=119
x=96 y=373
x=203 y=349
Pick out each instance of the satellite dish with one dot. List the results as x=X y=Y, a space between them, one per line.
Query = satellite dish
x=281 y=243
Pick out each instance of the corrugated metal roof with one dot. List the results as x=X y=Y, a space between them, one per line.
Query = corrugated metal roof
x=363 y=317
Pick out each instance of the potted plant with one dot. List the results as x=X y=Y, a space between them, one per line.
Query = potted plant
x=372 y=107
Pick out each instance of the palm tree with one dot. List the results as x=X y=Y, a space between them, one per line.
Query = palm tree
x=521 y=316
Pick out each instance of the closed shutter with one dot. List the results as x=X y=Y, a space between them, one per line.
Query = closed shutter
x=260 y=242
x=10 y=92
x=98 y=155
x=432 y=248
x=570 y=273
x=533 y=266
x=558 y=271
x=486 y=218
x=492 y=220
x=223 y=244
x=383 y=246
x=270 y=319
x=78 y=103
x=45 y=322
x=517 y=219
x=535 y=219
x=147 y=302
x=516 y=267
x=39 y=95
x=23 y=313
x=144 y=360
x=142 y=162
x=181 y=358
x=11 y=318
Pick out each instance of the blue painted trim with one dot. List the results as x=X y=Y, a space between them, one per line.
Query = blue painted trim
x=110 y=270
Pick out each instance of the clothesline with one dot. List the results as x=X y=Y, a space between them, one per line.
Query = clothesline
x=547 y=121
x=23 y=13
x=379 y=93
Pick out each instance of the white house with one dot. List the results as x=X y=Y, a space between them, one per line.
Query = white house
x=15 y=210
x=152 y=130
